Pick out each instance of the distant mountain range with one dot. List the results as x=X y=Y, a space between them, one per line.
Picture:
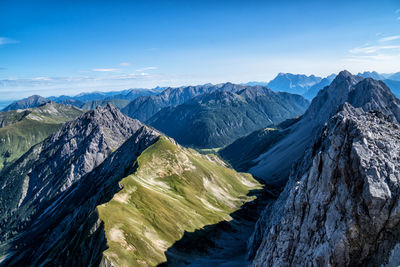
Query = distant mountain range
x=217 y=118
x=99 y=188
x=308 y=86
x=129 y=94
x=292 y=141
x=143 y=108
x=29 y=102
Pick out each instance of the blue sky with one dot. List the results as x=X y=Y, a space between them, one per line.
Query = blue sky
x=67 y=47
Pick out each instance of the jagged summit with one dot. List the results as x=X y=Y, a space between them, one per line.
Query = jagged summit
x=343 y=209
x=58 y=162
x=274 y=165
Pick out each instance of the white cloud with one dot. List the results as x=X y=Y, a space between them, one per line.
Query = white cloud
x=389 y=38
x=105 y=70
x=147 y=68
x=5 y=40
x=373 y=49
x=42 y=79
x=124 y=64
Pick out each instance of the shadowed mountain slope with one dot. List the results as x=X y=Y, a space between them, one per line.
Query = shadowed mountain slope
x=216 y=119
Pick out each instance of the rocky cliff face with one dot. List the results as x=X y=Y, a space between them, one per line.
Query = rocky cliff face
x=274 y=165
x=52 y=166
x=339 y=206
x=49 y=196
x=343 y=211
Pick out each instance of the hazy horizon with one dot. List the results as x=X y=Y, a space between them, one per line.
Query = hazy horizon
x=63 y=48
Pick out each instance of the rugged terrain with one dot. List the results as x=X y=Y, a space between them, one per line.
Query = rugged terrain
x=174 y=190
x=143 y=108
x=66 y=200
x=21 y=129
x=338 y=207
x=343 y=211
x=274 y=164
x=218 y=118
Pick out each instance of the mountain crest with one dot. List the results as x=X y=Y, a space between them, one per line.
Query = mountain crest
x=29 y=102
x=55 y=164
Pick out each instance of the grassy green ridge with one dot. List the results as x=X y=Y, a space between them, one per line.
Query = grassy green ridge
x=23 y=132
x=173 y=190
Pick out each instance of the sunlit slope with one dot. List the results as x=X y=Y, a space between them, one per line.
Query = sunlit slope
x=173 y=190
x=23 y=129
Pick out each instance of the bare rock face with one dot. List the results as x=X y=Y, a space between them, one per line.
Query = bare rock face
x=344 y=210
x=49 y=196
x=51 y=167
x=69 y=231
x=274 y=165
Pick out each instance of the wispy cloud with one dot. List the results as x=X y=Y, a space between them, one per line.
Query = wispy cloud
x=124 y=64
x=363 y=58
x=105 y=70
x=389 y=38
x=147 y=68
x=373 y=49
x=42 y=79
x=5 y=40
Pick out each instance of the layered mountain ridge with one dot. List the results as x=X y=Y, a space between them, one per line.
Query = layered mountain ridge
x=61 y=199
x=338 y=206
x=143 y=108
x=218 y=118
x=53 y=165
x=273 y=166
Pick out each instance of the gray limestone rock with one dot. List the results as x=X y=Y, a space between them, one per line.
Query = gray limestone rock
x=344 y=210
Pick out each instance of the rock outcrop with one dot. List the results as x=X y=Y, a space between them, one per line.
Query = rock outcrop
x=274 y=165
x=345 y=210
x=30 y=184
x=49 y=196
x=340 y=204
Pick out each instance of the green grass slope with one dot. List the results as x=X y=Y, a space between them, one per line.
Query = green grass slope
x=26 y=128
x=173 y=190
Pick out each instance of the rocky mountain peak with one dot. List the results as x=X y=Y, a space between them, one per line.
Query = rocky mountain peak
x=344 y=209
x=367 y=94
x=58 y=162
